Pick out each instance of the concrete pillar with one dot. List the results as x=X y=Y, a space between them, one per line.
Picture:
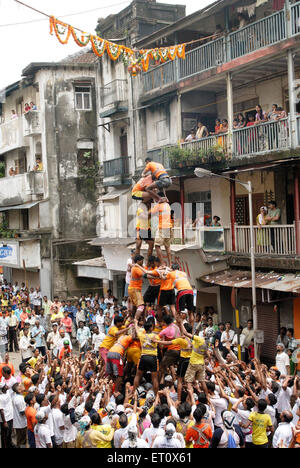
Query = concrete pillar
x=292 y=99
x=229 y=110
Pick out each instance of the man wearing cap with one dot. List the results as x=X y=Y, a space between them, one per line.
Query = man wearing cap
x=41 y=431
x=229 y=435
x=65 y=350
x=169 y=440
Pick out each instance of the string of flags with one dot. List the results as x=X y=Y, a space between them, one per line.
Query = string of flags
x=136 y=60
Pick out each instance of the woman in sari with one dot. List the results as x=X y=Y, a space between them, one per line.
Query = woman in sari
x=262 y=234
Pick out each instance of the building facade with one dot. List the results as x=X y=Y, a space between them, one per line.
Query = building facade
x=250 y=59
x=50 y=172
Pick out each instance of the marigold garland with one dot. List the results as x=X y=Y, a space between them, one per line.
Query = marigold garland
x=137 y=60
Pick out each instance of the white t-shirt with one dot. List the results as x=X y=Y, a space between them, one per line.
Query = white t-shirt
x=42 y=436
x=120 y=434
x=97 y=340
x=163 y=442
x=220 y=404
x=243 y=417
x=284 y=400
x=128 y=273
x=9 y=383
x=6 y=406
x=100 y=323
x=282 y=360
x=151 y=433
x=140 y=444
x=229 y=337
x=70 y=432
x=58 y=421
x=24 y=345
x=19 y=406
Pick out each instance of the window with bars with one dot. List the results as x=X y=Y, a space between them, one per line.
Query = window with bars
x=83 y=98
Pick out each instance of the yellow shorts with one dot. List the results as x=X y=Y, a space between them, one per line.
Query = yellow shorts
x=133 y=355
x=136 y=297
x=195 y=372
x=137 y=195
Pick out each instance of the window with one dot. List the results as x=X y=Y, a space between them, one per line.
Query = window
x=83 y=99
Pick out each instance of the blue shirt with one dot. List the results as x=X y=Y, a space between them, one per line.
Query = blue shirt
x=38 y=335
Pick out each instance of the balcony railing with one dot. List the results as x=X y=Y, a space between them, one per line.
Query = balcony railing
x=114 y=92
x=262 y=33
x=21 y=188
x=207 y=143
x=32 y=124
x=268 y=240
x=268 y=136
x=274 y=239
x=116 y=167
x=11 y=135
x=203 y=58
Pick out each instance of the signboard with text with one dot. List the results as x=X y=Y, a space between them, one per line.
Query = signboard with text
x=9 y=254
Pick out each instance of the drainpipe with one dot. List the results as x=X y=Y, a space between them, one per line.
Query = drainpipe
x=229 y=111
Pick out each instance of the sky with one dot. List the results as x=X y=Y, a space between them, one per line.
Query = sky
x=29 y=42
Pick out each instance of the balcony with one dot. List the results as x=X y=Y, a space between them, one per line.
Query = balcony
x=255 y=36
x=117 y=171
x=11 y=135
x=258 y=139
x=268 y=137
x=31 y=124
x=21 y=188
x=114 y=98
x=278 y=240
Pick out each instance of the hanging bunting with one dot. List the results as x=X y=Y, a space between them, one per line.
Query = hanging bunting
x=81 y=41
x=62 y=30
x=98 y=45
x=113 y=50
x=135 y=60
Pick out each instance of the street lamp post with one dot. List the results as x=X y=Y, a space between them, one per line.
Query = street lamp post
x=200 y=172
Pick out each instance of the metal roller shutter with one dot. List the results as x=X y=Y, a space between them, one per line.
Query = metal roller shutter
x=268 y=321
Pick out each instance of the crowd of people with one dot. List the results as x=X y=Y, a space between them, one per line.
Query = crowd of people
x=145 y=373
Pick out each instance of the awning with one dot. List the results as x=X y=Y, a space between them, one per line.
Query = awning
x=121 y=241
x=242 y=279
x=94 y=262
x=25 y=206
x=112 y=195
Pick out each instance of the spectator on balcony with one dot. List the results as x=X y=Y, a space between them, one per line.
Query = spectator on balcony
x=235 y=124
x=272 y=115
x=281 y=114
x=273 y=218
x=27 y=107
x=241 y=120
x=262 y=234
x=191 y=136
x=217 y=127
x=202 y=131
x=215 y=221
x=14 y=115
x=199 y=221
x=224 y=126
x=39 y=165
x=12 y=172
x=260 y=116
x=33 y=106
